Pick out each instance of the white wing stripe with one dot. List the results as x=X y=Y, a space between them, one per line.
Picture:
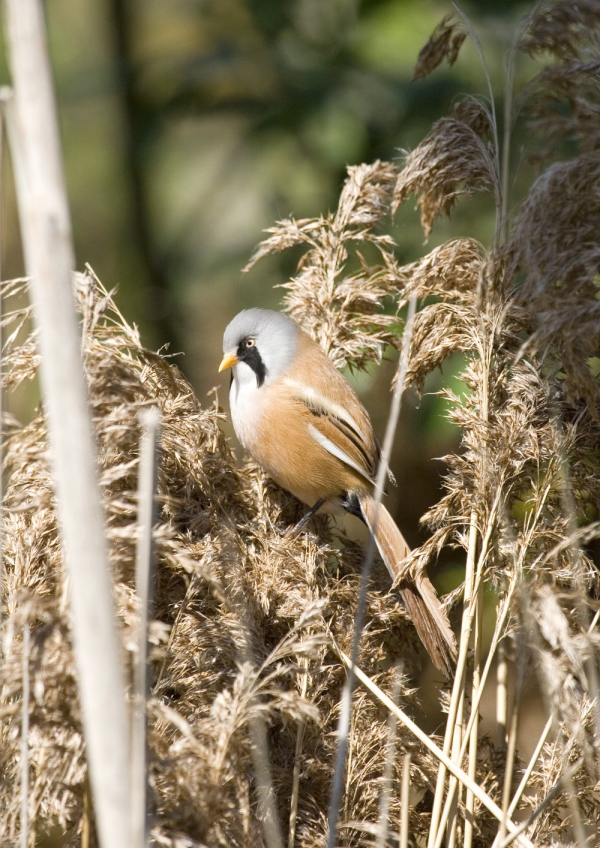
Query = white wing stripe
x=335 y=409
x=333 y=449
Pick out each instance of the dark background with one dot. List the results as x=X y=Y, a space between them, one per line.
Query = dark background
x=189 y=126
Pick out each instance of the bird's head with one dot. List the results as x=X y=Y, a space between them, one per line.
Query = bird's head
x=261 y=340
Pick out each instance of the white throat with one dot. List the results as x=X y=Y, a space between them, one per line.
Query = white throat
x=245 y=403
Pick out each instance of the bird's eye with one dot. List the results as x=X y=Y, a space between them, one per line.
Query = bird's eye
x=250 y=342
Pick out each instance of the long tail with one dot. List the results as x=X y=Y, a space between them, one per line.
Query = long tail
x=420 y=598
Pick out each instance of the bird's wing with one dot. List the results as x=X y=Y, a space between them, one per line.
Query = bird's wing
x=336 y=430
x=336 y=418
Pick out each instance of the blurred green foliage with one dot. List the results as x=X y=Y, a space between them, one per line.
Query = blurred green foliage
x=191 y=125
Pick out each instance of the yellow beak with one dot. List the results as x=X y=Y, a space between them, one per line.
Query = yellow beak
x=228 y=360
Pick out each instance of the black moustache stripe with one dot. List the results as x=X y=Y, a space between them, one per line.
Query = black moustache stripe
x=252 y=358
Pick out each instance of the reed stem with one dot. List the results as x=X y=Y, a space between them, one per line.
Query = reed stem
x=24 y=841
x=437 y=752
x=390 y=757
x=458 y=684
x=473 y=733
x=49 y=260
x=144 y=568
x=297 y=754
x=346 y=701
x=404 y=803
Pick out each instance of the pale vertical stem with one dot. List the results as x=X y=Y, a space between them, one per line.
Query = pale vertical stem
x=473 y=718
x=85 y=822
x=474 y=732
x=259 y=743
x=573 y=804
x=453 y=794
x=264 y=783
x=505 y=168
x=530 y=767
x=501 y=694
x=592 y=684
x=25 y=739
x=458 y=685
x=512 y=746
x=527 y=774
x=425 y=740
x=297 y=755
x=404 y=803
x=390 y=757
x=144 y=567
x=564 y=781
x=49 y=261
x=1 y=370
x=344 y=720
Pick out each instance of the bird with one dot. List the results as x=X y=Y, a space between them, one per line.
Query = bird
x=304 y=425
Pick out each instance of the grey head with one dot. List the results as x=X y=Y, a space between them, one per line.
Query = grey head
x=264 y=340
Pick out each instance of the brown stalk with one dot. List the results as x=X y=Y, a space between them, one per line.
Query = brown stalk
x=452 y=792
x=477 y=695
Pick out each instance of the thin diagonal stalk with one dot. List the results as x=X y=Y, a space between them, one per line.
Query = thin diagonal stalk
x=527 y=773
x=144 y=568
x=24 y=842
x=530 y=767
x=496 y=143
x=437 y=752
x=556 y=789
x=346 y=705
x=509 y=120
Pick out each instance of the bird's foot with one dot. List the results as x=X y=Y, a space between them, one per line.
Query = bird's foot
x=292 y=532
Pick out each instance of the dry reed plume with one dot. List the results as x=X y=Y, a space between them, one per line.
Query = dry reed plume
x=241 y=614
x=249 y=622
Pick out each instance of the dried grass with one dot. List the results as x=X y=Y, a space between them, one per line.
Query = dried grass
x=240 y=609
